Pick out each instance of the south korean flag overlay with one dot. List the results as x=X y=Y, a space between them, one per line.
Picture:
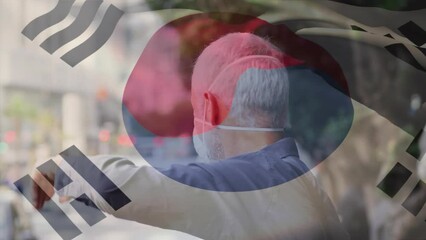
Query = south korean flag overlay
x=157 y=98
x=351 y=113
x=380 y=53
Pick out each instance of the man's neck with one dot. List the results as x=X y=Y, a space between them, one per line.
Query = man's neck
x=238 y=142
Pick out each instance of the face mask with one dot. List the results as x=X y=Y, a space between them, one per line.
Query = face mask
x=235 y=128
x=200 y=143
x=200 y=147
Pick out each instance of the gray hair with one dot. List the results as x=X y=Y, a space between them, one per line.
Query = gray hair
x=247 y=71
x=260 y=98
x=261 y=92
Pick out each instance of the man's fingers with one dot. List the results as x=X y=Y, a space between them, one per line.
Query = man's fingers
x=38 y=198
x=42 y=189
x=43 y=182
x=64 y=199
x=36 y=195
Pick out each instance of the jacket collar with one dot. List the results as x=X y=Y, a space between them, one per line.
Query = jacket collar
x=282 y=148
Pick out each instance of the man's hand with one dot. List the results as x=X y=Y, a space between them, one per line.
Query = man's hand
x=43 y=191
x=42 y=188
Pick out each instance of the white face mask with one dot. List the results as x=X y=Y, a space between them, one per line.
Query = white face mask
x=235 y=128
x=200 y=147
x=238 y=128
x=210 y=149
x=200 y=143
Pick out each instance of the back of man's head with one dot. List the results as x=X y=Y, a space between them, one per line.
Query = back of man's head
x=247 y=75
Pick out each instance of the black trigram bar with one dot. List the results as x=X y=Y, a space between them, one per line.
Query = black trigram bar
x=80 y=24
x=92 y=214
x=95 y=177
x=414 y=148
x=357 y=28
x=51 y=166
x=400 y=51
x=56 y=15
x=394 y=180
x=97 y=40
x=416 y=200
x=413 y=32
x=55 y=216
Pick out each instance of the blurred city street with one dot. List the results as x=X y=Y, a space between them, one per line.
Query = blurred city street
x=369 y=158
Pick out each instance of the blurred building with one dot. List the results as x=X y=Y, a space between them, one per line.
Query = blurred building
x=45 y=104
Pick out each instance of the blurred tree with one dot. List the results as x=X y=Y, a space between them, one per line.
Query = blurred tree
x=19 y=110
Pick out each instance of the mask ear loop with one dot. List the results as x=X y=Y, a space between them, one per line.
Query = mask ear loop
x=235 y=127
x=204 y=119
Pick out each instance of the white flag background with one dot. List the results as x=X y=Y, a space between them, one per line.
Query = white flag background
x=47 y=105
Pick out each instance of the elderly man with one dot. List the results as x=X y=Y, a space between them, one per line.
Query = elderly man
x=254 y=186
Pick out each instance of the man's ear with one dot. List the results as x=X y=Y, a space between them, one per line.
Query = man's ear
x=212 y=108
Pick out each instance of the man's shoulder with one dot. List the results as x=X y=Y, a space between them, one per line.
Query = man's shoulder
x=247 y=172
